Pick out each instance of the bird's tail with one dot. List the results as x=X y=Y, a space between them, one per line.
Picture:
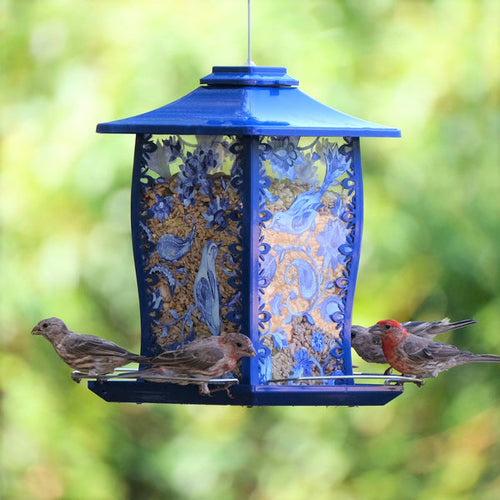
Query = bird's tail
x=457 y=324
x=139 y=359
x=486 y=358
x=466 y=357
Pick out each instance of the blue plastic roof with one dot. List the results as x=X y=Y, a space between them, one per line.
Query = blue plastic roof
x=248 y=100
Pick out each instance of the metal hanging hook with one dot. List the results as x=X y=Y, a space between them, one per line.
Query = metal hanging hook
x=249 y=61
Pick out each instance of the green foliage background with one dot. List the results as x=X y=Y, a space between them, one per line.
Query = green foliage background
x=430 y=249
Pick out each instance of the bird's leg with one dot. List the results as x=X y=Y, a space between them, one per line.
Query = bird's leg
x=388 y=371
x=226 y=388
x=203 y=388
x=228 y=392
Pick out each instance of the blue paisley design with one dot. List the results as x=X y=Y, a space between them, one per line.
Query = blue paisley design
x=307 y=241
x=191 y=280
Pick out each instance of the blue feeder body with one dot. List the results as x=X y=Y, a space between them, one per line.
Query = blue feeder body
x=247 y=217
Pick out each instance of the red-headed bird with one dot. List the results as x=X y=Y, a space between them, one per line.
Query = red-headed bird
x=369 y=346
x=419 y=356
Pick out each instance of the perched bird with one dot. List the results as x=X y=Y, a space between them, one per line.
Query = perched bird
x=206 y=288
x=90 y=355
x=369 y=346
x=420 y=356
x=199 y=361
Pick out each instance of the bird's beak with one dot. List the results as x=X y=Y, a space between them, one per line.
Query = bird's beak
x=35 y=331
x=251 y=352
x=376 y=330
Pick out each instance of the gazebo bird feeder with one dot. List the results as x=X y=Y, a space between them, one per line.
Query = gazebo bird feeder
x=247 y=207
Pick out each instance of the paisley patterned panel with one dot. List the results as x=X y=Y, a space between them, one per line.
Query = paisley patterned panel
x=189 y=236
x=307 y=228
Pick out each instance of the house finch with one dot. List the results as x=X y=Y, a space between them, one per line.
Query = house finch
x=88 y=354
x=199 y=361
x=420 y=356
x=369 y=346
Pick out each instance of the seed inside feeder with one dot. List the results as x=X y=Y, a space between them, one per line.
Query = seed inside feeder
x=190 y=213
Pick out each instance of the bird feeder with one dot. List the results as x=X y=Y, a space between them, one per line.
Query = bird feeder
x=247 y=207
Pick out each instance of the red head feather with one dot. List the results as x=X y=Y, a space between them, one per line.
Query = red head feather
x=391 y=322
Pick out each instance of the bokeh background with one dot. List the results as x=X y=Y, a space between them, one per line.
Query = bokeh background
x=430 y=249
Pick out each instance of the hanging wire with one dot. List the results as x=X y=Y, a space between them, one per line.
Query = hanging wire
x=249 y=36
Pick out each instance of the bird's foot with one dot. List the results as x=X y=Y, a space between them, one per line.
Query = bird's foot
x=388 y=371
x=76 y=376
x=225 y=387
x=393 y=382
x=418 y=382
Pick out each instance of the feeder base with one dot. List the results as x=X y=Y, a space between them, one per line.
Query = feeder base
x=246 y=395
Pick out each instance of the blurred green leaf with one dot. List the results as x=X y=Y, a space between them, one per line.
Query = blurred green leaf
x=430 y=249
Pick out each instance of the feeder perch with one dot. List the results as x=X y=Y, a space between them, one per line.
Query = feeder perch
x=247 y=207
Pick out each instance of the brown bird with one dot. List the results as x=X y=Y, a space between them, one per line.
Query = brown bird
x=369 y=346
x=420 y=356
x=198 y=362
x=90 y=355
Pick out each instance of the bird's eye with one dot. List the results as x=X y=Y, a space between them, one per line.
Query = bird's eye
x=387 y=327
x=45 y=325
x=239 y=344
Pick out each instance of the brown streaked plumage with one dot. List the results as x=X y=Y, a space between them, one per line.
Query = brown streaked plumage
x=88 y=354
x=206 y=358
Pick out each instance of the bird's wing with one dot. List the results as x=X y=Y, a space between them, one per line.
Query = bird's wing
x=83 y=345
x=368 y=346
x=444 y=325
x=418 y=349
x=422 y=328
x=190 y=359
x=432 y=328
x=417 y=327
